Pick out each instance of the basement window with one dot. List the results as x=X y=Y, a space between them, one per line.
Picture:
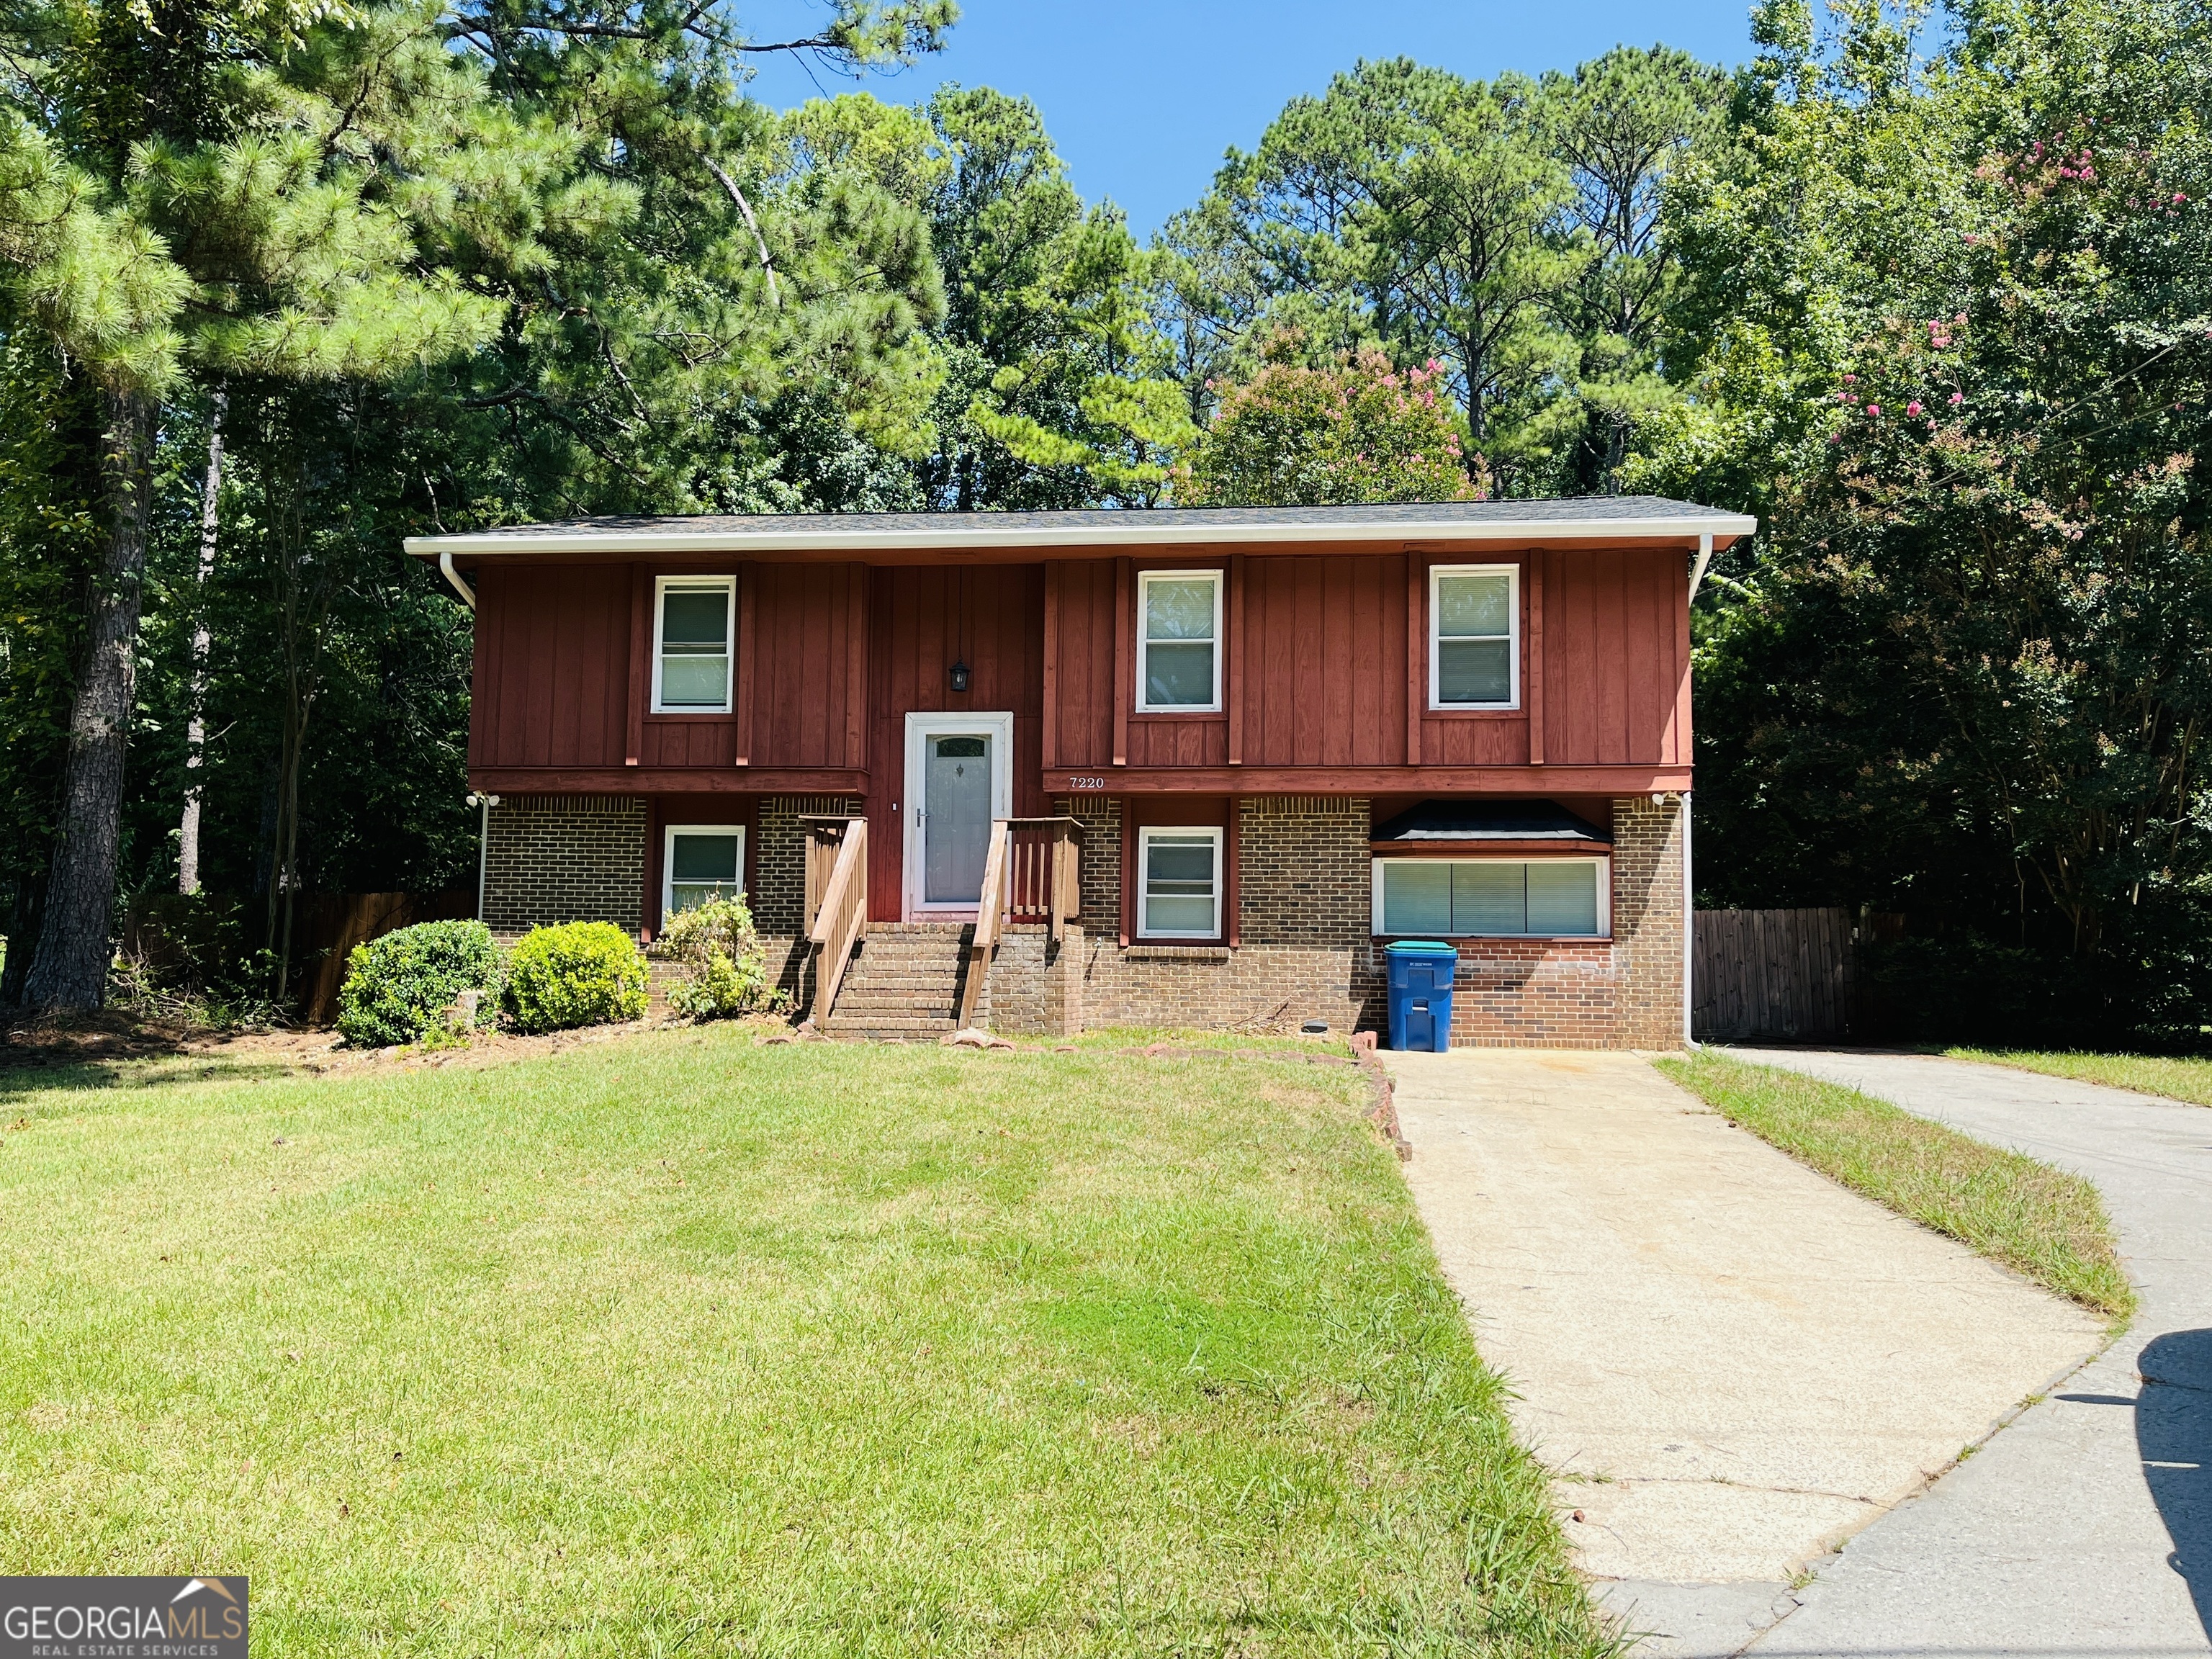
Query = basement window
x=1475 y=611
x=701 y=861
x=1178 y=642
x=695 y=619
x=1181 y=895
x=1540 y=898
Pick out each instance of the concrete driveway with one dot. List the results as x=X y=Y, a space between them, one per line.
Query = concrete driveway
x=2085 y=1527
x=1733 y=1363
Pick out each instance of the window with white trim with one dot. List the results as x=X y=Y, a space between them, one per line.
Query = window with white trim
x=1475 y=616
x=1544 y=898
x=1179 y=878
x=699 y=862
x=1178 y=642
x=694 y=626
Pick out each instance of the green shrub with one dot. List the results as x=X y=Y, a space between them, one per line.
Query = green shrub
x=723 y=968
x=581 y=973
x=398 y=987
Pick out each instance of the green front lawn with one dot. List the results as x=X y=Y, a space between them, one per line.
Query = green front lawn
x=2179 y=1077
x=678 y=1344
x=2037 y=1219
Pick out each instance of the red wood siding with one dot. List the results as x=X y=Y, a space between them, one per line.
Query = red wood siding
x=554 y=685
x=1616 y=658
x=810 y=619
x=552 y=665
x=921 y=619
x=1325 y=655
x=1083 y=682
x=1320 y=640
x=1324 y=661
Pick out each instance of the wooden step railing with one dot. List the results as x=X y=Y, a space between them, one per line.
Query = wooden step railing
x=836 y=902
x=1044 y=874
x=1034 y=869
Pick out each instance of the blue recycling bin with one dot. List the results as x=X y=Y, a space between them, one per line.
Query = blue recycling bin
x=1421 y=993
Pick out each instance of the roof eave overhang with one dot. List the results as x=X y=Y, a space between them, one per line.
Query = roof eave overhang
x=1722 y=527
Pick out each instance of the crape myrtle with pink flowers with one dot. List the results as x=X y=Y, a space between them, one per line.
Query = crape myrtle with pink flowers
x=1949 y=330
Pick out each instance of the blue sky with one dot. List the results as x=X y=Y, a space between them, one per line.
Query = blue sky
x=1142 y=96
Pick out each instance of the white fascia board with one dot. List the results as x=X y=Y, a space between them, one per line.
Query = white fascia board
x=1138 y=534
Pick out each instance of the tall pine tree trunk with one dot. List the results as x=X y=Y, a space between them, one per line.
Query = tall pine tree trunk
x=70 y=970
x=188 y=828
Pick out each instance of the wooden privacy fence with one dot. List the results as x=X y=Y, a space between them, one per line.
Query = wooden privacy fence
x=1785 y=974
x=325 y=927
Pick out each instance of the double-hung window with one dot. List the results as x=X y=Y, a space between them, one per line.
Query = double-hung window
x=694 y=623
x=1181 y=893
x=1548 y=898
x=701 y=861
x=1475 y=613
x=1178 y=642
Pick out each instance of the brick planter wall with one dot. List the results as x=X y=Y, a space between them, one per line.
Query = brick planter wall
x=550 y=859
x=1035 y=988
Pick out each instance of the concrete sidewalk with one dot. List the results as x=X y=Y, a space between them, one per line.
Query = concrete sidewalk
x=2085 y=1527
x=1733 y=1363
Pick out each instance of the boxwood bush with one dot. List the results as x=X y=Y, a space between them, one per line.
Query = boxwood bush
x=398 y=987
x=581 y=973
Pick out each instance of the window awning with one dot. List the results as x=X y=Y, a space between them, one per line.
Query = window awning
x=1519 y=826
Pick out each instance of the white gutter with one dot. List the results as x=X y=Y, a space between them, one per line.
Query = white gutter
x=1704 y=558
x=1142 y=530
x=468 y=594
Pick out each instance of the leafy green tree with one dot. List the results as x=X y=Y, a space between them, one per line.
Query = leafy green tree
x=1046 y=383
x=686 y=276
x=189 y=188
x=1507 y=230
x=1624 y=123
x=549 y=233
x=1949 y=324
x=1356 y=432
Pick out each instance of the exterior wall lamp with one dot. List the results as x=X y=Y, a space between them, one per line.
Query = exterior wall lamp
x=959 y=674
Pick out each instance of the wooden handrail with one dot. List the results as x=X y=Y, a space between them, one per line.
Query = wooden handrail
x=990 y=906
x=1044 y=870
x=841 y=917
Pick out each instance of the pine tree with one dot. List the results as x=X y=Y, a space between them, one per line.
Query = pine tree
x=195 y=188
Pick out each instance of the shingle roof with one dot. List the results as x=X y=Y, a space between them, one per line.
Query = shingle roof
x=1581 y=518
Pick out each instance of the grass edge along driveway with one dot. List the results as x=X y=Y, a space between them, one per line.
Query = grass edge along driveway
x=677 y=1344
x=2043 y=1222
x=2177 y=1076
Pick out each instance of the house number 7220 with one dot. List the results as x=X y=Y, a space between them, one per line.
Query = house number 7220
x=1074 y=783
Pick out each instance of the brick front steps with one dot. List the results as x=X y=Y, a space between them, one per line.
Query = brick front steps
x=903 y=984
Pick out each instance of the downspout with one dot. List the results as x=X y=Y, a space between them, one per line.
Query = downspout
x=1689 y=888
x=1696 y=571
x=469 y=594
x=485 y=804
x=1689 y=928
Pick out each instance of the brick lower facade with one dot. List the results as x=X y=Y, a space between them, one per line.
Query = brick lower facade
x=1305 y=947
x=550 y=859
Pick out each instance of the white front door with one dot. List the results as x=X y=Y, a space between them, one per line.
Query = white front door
x=959 y=777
